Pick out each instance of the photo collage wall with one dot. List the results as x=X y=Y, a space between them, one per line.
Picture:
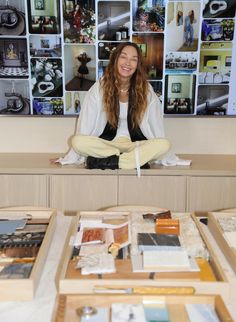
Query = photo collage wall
x=53 y=51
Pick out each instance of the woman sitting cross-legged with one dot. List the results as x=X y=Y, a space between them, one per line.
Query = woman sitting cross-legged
x=120 y=124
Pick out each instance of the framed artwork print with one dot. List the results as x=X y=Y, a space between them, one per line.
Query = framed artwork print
x=39 y=4
x=176 y=87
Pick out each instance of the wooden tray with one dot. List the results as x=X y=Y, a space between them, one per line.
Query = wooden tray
x=67 y=304
x=218 y=233
x=24 y=289
x=69 y=280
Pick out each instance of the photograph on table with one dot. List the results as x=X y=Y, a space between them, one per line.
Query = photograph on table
x=45 y=46
x=217 y=29
x=79 y=21
x=148 y=15
x=44 y=16
x=15 y=97
x=153 y=44
x=105 y=49
x=73 y=101
x=46 y=77
x=212 y=100
x=113 y=20
x=219 y=8
x=48 y=106
x=179 y=94
x=183 y=23
x=181 y=62
x=12 y=18
x=215 y=63
x=80 y=74
x=13 y=58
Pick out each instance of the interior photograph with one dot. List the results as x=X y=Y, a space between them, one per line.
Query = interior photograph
x=151 y=46
x=44 y=16
x=180 y=94
x=12 y=18
x=79 y=21
x=113 y=20
x=215 y=62
x=149 y=18
x=183 y=21
x=15 y=94
x=45 y=46
x=13 y=58
x=81 y=74
x=212 y=100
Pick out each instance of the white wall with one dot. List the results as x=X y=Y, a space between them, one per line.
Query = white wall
x=188 y=135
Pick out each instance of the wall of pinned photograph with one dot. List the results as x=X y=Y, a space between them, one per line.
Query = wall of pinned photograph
x=215 y=62
x=154 y=53
x=114 y=20
x=48 y=106
x=73 y=102
x=217 y=30
x=212 y=100
x=46 y=20
x=183 y=24
x=179 y=94
x=12 y=21
x=67 y=45
x=46 y=77
x=148 y=15
x=13 y=58
x=45 y=46
x=79 y=21
x=219 y=8
x=181 y=62
x=80 y=74
x=15 y=97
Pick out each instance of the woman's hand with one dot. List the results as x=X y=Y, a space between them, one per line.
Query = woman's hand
x=54 y=160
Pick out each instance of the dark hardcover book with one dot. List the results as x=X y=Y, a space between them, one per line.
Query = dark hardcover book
x=153 y=241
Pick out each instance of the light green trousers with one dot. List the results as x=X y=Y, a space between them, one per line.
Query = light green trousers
x=131 y=153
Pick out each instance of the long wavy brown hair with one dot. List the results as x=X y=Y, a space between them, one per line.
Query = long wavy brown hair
x=137 y=91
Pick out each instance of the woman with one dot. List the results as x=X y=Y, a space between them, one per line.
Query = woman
x=120 y=124
x=77 y=17
x=188 y=28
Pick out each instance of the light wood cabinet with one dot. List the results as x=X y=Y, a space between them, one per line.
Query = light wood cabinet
x=83 y=192
x=162 y=191
x=211 y=193
x=30 y=179
x=23 y=190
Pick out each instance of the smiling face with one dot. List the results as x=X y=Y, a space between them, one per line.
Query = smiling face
x=127 y=62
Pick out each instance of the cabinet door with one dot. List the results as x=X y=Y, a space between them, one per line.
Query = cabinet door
x=162 y=191
x=211 y=193
x=24 y=190
x=83 y=192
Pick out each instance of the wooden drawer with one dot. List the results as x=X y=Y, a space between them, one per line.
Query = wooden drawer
x=70 y=280
x=41 y=219
x=162 y=191
x=83 y=192
x=68 y=305
x=22 y=190
x=211 y=193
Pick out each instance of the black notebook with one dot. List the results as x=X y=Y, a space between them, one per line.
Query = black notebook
x=154 y=241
